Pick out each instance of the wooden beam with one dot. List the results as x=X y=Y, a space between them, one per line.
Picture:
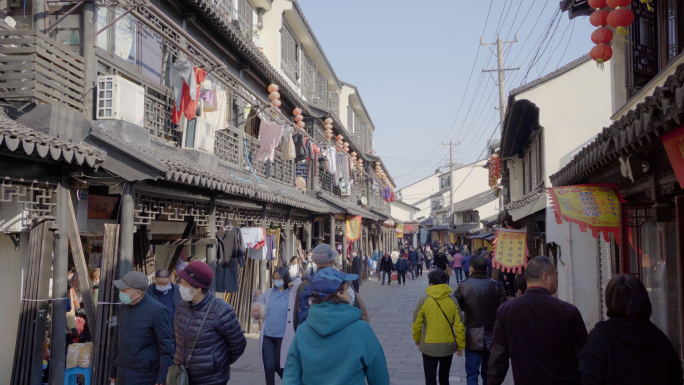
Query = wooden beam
x=179 y=249
x=81 y=268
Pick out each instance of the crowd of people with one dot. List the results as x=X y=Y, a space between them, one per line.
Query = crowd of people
x=316 y=329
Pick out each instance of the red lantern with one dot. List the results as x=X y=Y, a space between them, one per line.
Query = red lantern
x=274 y=95
x=597 y=3
x=298 y=118
x=602 y=35
x=296 y=111
x=620 y=18
x=273 y=88
x=599 y=18
x=300 y=124
x=618 y=3
x=601 y=53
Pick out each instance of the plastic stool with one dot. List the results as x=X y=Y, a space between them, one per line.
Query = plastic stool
x=71 y=378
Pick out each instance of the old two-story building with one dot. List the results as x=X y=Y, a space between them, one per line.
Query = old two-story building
x=640 y=152
x=132 y=134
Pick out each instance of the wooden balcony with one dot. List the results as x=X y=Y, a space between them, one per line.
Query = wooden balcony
x=35 y=68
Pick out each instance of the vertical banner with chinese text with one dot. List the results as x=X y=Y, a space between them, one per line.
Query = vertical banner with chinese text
x=353 y=228
x=400 y=231
x=510 y=250
x=591 y=206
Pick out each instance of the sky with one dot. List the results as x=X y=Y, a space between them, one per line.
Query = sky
x=418 y=67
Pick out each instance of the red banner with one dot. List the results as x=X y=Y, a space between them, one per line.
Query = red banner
x=591 y=206
x=674 y=146
x=510 y=250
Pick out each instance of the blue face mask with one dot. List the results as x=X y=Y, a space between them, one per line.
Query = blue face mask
x=278 y=283
x=164 y=289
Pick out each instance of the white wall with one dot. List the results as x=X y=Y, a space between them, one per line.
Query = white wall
x=477 y=181
x=419 y=191
x=402 y=213
x=10 y=302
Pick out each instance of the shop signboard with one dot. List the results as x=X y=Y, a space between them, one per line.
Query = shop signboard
x=353 y=228
x=453 y=238
x=400 y=231
x=410 y=228
x=591 y=206
x=674 y=146
x=510 y=250
x=101 y=207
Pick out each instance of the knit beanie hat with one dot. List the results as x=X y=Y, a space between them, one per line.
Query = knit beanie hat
x=323 y=254
x=198 y=274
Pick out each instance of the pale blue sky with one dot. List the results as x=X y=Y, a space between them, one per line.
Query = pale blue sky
x=412 y=60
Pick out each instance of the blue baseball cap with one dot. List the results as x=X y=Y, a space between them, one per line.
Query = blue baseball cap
x=328 y=280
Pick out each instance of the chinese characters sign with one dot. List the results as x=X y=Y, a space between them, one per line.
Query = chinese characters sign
x=510 y=250
x=400 y=231
x=452 y=238
x=593 y=206
x=674 y=146
x=100 y=207
x=353 y=228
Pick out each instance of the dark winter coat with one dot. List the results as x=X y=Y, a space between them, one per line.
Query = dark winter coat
x=401 y=265
x=479 y=298
x=629 y=351
x=220 y=344
x=543 y=337
x=441 y=262
x=414 y=257
x=175 y=296
x=386 y=264
x=143 y=350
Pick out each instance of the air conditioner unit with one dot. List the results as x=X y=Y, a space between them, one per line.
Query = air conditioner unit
x=198 y=134
x=120 y=99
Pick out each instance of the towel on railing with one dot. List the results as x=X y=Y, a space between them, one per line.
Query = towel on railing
x=269 y=135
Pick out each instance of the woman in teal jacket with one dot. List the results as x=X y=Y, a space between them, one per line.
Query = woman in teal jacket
x=333 y=346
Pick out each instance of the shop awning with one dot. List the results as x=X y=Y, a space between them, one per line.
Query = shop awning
x=465 y=228
x=338 y=205
x=438 y=228
x=481 y=236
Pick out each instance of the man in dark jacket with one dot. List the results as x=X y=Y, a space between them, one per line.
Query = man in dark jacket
x=386 y=267
x=413 y=261
x=479 y=298
x=220 y=342
x=143 y=350
x=164 y=291
x=542 y=335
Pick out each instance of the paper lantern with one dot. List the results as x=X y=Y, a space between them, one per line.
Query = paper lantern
x=602 y=35
x=273 y=88
x=328 y=121
x=620 y=19
x=346 y=144
x=617 y=3
x=388 y=223
x=353 y=154
x=296 y=111
x=399 y=231
x=599 y=18
x=328 y=136
x=346 y=149
x=328 y=126
x=300 y=124
x=276 y=103
x=274 y=95
x=298 y=118
x=340 y=137
x=597 y=4
x=601 y=53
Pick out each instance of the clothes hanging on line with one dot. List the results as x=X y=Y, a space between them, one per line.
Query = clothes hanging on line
x=272 y=244
x=300 y=147
x=330 y=156
x=182 y=74
x=188 y=101
x=270 y=136
x=214 y=112
x=230 y=253
x=289 y=151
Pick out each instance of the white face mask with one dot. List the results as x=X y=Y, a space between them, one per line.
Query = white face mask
x=352 y=293
x=185 y=293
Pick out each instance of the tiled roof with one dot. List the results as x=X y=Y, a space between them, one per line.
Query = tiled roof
x=527 y=198
x=576 y=8
x=17 y=137
x=656 y=115
x=490 y=220
x=466 y=227
x=475 y=201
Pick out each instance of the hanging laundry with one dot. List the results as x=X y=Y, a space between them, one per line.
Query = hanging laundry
x=300 y=147
x=182 y=74
x=269 y=136
x=272 y=243
x=230 y=253
x=331 y=160
x=188 y=101
x=343 y=168
x=253 y=237
x=289 y=150
x=215 y=111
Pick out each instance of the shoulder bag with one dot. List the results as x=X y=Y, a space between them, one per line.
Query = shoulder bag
x=178 y=374
x=447 y=319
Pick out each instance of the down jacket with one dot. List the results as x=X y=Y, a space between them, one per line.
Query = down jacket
x=433 y=319
x=220 y=343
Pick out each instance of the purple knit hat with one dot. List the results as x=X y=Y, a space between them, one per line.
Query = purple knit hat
x=198 y=274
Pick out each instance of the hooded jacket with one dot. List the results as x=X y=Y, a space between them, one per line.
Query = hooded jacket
x=386 y=264
x=629 y=351
x=221 y=341
x=480 y=298
x=334 y=347
x=401 y=265
x=430 y=326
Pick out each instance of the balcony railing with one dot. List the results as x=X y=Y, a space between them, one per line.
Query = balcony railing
x=34 y=67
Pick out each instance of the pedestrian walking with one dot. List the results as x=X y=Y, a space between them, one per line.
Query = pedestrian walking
x=479 y=298
x=450 y=263
x=296 y=268
x=458 y=266
x=440 y=260
x=413 y=262
x=402 y=266
x=164 y=291
x=628 y=348
x=465 y=264
x=334 y=346
x=386 y=268
x=143 y=350
x=465 y=250
x=428 y=257
x=277 y=331
x=421 y=261
x=208 y=336
x=542 y=335
x=437 y=329
x=323 y=257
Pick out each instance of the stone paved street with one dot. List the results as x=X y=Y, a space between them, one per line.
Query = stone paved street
x=391 y=311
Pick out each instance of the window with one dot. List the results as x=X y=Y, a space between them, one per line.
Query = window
x=323 y=91
x=309 y=77
x=533 y=164
x=334 y=102
x=437 y=203
x=289 y=54
x=246 y=17
x=68 y=32
x=444 y=182
x=121 y=38
x=350 y=117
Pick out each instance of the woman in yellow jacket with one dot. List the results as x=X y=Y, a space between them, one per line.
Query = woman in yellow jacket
x=437 y=329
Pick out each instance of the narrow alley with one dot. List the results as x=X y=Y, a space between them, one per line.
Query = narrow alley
x=391 y=312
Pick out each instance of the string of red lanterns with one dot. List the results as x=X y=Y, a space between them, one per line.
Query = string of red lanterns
x=494 y=171
x=619 y=18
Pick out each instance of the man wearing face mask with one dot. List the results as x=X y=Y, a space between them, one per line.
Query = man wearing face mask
x=143 y=350
x=164 y=291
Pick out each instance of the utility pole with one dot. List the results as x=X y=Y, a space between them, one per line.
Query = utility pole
x=501 y=70
x=451 y=173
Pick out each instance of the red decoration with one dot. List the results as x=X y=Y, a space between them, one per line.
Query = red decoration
x=597 y=4
x=601 y=53
x=599 y=18
x=622 y=17
x=618 y=3
x=602 y=35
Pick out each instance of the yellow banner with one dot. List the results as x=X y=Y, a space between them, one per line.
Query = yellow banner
x=453 y=238
x=353 y=228
x=510 y=250
x=400 y=231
